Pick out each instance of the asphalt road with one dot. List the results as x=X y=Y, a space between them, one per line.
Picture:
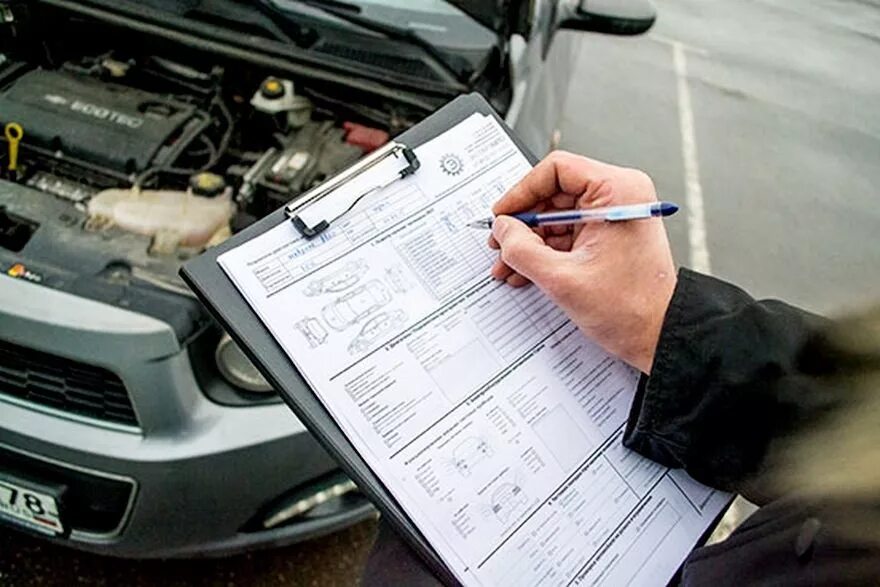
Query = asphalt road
x=783 y=156
x=784 y=100
x=333 y=560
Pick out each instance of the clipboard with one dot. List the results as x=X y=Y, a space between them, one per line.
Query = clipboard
x=223 y=300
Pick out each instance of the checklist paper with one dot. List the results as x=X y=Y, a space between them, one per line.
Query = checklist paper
x=492 y=420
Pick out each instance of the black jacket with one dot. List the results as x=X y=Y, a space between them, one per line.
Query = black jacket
x=731 y=375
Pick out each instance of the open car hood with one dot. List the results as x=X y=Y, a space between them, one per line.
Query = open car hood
x=502 y=16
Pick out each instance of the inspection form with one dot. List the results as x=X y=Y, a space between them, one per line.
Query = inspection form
x=486 y=413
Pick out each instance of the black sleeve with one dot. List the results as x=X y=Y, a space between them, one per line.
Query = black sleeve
x=728 y=378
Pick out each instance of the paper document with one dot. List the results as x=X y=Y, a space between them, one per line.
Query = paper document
x=487 y=414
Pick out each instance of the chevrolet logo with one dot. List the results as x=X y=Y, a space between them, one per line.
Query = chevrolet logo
x=56 y=99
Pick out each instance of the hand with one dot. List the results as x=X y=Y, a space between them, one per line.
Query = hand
x=614 y=280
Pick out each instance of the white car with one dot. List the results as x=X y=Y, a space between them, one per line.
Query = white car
x=138 y=133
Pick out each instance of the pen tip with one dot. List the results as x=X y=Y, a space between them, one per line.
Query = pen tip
x=480 y=224
x=668 y=208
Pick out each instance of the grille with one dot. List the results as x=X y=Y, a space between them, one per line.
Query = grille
x=65 y=385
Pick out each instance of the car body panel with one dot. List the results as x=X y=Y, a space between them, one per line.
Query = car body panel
x=540 y=77
x=188 y=451
x=494 y=14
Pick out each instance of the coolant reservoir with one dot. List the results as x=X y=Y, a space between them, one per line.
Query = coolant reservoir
x=171 y=217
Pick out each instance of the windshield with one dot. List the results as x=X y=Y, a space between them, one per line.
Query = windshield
x=435 y=21
x=431 y=6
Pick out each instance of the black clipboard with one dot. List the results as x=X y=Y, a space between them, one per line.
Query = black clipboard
x=223 y=300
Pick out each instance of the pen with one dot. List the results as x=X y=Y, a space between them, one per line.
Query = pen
x=608 y=214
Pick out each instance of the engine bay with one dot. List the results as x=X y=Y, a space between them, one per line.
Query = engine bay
x=116 y=167
x=164 y=156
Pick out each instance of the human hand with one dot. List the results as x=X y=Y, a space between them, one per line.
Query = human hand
x=614 y=280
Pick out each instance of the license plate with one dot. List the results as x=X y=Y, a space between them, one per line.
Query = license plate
x=29 y=507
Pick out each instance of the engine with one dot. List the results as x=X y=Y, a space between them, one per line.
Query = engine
x=111 y=127
x=181 y=155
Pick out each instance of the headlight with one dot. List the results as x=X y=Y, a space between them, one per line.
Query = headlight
x=237 y=369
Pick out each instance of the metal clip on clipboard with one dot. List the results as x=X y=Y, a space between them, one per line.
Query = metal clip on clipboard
x=392 y=149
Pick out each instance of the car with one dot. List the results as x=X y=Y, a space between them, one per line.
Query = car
x=373 y=330
x=137 y=134
x=355 y=305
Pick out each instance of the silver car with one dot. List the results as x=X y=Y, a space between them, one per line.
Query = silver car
x=136 y=135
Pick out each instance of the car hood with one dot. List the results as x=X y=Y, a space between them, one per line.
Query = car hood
x=169 y=18
x=502 y=16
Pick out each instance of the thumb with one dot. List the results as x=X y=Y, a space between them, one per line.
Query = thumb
x=524 y=251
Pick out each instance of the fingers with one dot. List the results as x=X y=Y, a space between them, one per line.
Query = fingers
x=560 y=238
x=557 y=202
x=500 y=270
x=517 y=280
x=561 y=242
x=561 y=175
x=563 y=201
x=523 y=252
x=566 y=231
x=561 y=181
x=558 y=229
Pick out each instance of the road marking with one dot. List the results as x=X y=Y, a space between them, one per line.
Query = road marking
x=672 y=42
x=699 y=249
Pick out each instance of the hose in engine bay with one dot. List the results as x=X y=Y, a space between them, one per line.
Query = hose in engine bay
x=215 y=152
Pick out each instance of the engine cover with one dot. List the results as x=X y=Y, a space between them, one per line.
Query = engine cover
x=115 y=127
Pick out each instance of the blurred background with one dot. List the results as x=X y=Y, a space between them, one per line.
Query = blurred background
x=760 y=116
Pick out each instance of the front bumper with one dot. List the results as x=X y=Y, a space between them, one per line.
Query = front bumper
x=200 y=471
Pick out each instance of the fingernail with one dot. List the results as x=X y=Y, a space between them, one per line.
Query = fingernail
x=500 y=227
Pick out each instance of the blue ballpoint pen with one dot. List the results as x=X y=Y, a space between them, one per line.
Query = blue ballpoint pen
x=609 y=214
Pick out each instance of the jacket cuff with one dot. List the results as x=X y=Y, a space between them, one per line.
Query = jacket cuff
x=658 y=401
x=725 y=382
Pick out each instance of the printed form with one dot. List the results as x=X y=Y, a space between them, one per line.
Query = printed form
x=491 y=419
